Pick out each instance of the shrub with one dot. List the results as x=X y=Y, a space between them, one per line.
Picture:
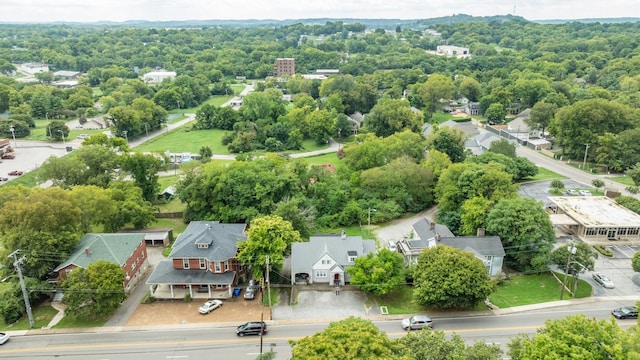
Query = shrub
x=632 y=189
x=604 y=251
x=187 y=298
x=148 y=299
x=12 y=309
x=597 y=183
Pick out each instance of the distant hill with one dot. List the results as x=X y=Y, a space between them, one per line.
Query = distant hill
x=369 y=23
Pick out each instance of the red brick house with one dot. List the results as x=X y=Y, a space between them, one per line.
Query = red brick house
x=127 y=250
x=202 y=262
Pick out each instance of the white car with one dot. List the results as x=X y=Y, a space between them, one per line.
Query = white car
x=4 y=337
x=585 y=193
x=209 y=306
x=603 y=280
x=392 y=246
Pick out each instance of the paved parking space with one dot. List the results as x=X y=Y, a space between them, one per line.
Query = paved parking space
x=29 y=156
x=324 y=305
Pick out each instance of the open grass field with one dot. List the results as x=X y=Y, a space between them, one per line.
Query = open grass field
x=184 y=139
x=42 y=315
x=532 y=289
x=545 y=174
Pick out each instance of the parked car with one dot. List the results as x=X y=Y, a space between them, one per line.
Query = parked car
x=603 y=280
x=252 y=288
x=571 y=192
x=585 y=193
x=4 y=337
x=4 y=178
x=252 y=328
x=83 y=136
x=417 y=322
x=15 y=173
x=627 y=312
x=8 y=156
x=209 y=306
x=392 y=246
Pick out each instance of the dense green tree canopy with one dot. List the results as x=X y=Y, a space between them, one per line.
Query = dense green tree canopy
x=349 y=339
x=446 y=277
x=378 y=273
x=434 y=345
x=574 y=337
x=525 y=230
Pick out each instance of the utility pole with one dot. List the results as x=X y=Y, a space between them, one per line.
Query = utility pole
x=584 y=162
x=25 y=294
x=268 y=285
x=572 y=251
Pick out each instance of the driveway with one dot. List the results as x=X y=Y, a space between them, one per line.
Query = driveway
x=327 y=305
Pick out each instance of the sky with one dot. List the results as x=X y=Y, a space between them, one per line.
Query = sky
x=43 y=11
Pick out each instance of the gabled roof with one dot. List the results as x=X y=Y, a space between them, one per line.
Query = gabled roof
x=519 y=122
x=484 y=245
x=209 y=240
x=425 y=231
x=115 y=248
x=467 y=127
x=305 y=254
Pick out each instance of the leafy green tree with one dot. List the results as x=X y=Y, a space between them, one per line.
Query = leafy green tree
x=378 y=273
x=634 y=174
x=205 y=154
x=541 y=115
x=390 y=116
x=584 y=258
x=130 y=207
x=557 y=184
x=144 y=170
x=470 y=88
x=94 y=291
x=436 y=88
x=446 y=277
x=320 y=124
x=629 y=202
x=573 y=337
x=49 y=215
x=525 y=230
x=434 y=345
x=349 y=339
x=473 y=214
x=597 y=183
x=448 y=141
x=437 y=162
x=495 y=113
x=268 y=237
x=504 y=147
x=635 y=262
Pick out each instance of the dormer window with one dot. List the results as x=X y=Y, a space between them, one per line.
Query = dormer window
x=352 y=255
x=203 y=246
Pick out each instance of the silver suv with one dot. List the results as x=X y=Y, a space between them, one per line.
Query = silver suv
x=417 y=322
x=250 y=293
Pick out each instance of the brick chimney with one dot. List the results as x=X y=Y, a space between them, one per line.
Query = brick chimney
x=432 y=225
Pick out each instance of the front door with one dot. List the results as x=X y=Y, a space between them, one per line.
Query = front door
x=336 y=279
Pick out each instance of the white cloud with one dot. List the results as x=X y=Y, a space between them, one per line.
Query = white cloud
x=121 y=10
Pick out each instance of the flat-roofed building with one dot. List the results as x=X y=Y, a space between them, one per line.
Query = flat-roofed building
x=156 y=77
x=596 y=219
x=285 y=66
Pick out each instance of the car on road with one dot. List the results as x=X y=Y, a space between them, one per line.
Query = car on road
x=4 y=337
x=250 y=293
x=603 y=280
x=252 y=328
x=15 y=173
x=392 y=246
x=417 y=322
x=8 y=156
x=627 y=312
x=209 y=306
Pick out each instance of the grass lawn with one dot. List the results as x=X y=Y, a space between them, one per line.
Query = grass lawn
x=68 y=322
x=183 y=139
x=29 y=179
x=625 y=180
x=399 y=301
x=275 y=296
x=331 y=158
x=532 y=289
x=545 y=174
x=354 y=230
x=177 y=225
x=39 y=133
x=42 y=315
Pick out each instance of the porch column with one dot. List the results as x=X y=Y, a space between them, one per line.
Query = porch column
x=229 y=290
x=171 y=287
x=151 y=290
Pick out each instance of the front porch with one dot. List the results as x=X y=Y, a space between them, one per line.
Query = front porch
x=171 y=292
x=166 y=282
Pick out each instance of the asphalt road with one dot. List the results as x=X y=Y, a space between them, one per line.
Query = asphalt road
x=197 y=342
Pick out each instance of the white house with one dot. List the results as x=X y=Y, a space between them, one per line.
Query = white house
x=156 y=77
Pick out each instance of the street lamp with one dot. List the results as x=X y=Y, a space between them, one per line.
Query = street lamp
x=126 y=138
x=62 y=133
x=339 y=131
x=370 y=210
x=13 y=134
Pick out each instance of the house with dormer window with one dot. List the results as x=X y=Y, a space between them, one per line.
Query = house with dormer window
x=324 y=259
x=202 y=262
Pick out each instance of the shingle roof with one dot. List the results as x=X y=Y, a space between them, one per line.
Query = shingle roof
x=115 y=248
x=484 y=245
x=425 y=232
x=220 y=241
x=164 y=273
x=305 y=254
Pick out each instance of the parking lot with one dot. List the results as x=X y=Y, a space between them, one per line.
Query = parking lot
x=29 y=155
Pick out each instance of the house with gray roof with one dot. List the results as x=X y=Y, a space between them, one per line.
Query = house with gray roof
x=129 y=251
x=324 y=259
x=203 y=260
x=427 y=234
